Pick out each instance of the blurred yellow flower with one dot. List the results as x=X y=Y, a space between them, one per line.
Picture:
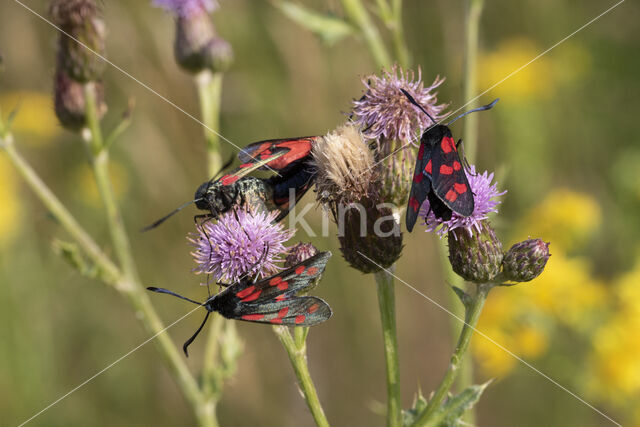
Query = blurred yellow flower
x=86 y=188
x=565 y=218
x=35 y=117
x=615 y=362
x=533 y=81
x=9 y=201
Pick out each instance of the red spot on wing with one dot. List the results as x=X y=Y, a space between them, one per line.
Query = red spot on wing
x=300 y=319
x=254 y=296
x=427 y=168
x=245 y=292
x=275 y=281
x=276 y=321
x=283 y=286
x=456 y=165
x=413 y=204
x=311 y=271
x=245 y=165
x=460 y=188
x=447 y=144
x=417 y=178
x=283 y=312
x=281 y=297
x=421 y=151
x=229 y=179
x=451 y=196
x=300 y=270
x=446 y=170
x=253 y=316
x=313 y=308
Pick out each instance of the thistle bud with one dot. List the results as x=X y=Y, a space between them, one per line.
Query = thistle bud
x=69 y=101
x=82 y=42
x=348 y=182
x=525 y=260
x=298 y=253
x=475 y=253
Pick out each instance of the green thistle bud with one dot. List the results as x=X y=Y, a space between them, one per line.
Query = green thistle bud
x=475 y=254
x=81 y=20
x=197 y=47
x=299 y=253
x=525 y=260
x=69 y=101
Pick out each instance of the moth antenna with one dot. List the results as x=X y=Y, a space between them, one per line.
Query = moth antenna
x=193 y=337
x=167 y=291
x=414 y=102
x=166 y=217
x=483 y=108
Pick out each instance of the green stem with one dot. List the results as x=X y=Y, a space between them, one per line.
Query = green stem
x=472 y=315
x=113 y=276
x=386 y=300
x=296 y=348
x=397 y=30
x=360 y=18
x=470 y=134
x=209 y=92
x=211 y=379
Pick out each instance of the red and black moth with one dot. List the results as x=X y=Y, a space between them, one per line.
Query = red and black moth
x=440 y=174
x=272 y=300
x=288 y=158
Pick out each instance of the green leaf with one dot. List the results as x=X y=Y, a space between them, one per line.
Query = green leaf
x=449 y=415
x=462 y=295
x=70 y=253
x=409 y=416
x=330 y=29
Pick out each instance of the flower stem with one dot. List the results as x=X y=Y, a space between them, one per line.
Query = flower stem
x=209 y=92
x=296 y=348
x=472 y=314
x=470 y=134
x=386 y=300
x=356 y=12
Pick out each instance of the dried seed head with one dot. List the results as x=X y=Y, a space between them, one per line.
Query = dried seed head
x=69 y=101
x=475 y=254
x=298 y=253
x=345 y=168
x=525 y=260
x=79 y=50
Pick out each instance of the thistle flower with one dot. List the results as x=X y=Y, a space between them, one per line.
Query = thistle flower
x=69 y=101
x=525 y=260
x=348 y=182
x=387 y=116
x=186 y=8
x=249 y=243
x=484 y=194
x=475 y=255
x=383 y=111
x=197 y=46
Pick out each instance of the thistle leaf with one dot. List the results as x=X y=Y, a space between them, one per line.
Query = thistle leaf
x=449 y=415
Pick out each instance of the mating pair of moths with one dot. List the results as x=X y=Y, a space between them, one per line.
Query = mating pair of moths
x=439 y=177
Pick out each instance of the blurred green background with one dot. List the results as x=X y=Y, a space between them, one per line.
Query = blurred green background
x=563 y=142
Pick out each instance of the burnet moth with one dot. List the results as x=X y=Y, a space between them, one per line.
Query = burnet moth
x=272 y=300
x=439 y=174
x=286 y=157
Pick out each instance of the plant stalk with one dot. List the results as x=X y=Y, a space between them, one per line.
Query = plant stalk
x=296 y=348
x=210 y=94
x=386 y=300
x=359 y=17
x=472 y=25
x=472 y=314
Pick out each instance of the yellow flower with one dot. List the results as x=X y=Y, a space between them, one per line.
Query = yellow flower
x=9 y=201
x=35 y=118
x=86 y=186
x=533 y=81
x=565 y=218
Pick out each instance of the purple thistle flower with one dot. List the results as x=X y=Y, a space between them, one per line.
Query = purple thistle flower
x=233 y=247
x=384 y=111
x=187 y=8
x=484 y=194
